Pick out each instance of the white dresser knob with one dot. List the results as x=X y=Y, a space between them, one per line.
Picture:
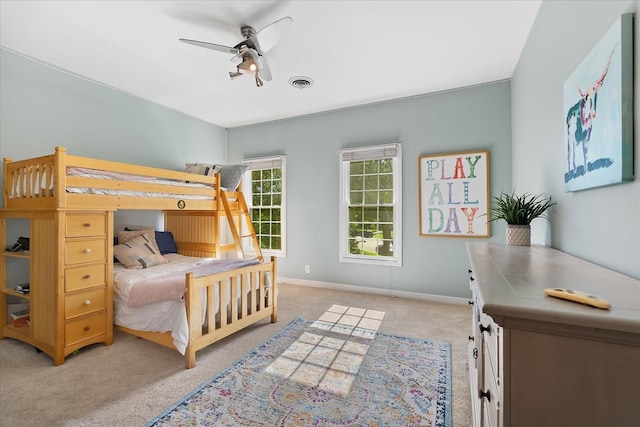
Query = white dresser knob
x=87 y=251
x=87 y=302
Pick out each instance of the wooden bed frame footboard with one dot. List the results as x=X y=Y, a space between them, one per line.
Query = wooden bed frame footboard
x=241 y=298
x=42 y=183
x=256 y=301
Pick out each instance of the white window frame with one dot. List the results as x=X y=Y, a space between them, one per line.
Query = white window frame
x=270 y=162
x=371 y=153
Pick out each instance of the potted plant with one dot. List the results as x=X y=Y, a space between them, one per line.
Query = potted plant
x=518 y=212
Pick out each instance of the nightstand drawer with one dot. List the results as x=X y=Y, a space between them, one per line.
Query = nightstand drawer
x=80 y=225
x=83 y=329
x=84 y=303
x=85 y=277
x=85 y=250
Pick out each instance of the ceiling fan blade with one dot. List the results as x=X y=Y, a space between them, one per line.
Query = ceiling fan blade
x=269 y=35
x=265 y=71
x=213 y=46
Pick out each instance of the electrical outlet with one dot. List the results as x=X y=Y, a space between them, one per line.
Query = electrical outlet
x=307 y=269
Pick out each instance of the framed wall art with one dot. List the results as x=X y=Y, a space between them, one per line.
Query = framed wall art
x=598 y=113
x=454 y=194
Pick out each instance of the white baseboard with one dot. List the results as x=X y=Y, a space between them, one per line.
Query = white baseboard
x=376 y=291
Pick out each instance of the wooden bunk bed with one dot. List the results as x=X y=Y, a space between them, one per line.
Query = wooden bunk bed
x=70 y=206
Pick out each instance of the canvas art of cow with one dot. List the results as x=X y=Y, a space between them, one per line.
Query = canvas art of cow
x=579 y=123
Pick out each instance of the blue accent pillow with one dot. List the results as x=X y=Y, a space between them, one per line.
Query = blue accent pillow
x=164 y=240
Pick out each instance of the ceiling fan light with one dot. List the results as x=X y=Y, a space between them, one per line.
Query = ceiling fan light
x=248 y=63
x=234 y=74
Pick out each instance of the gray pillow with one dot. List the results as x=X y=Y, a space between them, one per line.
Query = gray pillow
x=231 y=175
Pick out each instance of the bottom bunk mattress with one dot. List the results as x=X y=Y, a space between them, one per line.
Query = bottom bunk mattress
x=157 y=304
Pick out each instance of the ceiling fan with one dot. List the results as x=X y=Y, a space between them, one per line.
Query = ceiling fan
x=249 y=53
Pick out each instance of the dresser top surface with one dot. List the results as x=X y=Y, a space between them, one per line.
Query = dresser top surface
x=511 y=282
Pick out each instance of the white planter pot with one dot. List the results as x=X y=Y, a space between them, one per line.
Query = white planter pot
x=518 y=235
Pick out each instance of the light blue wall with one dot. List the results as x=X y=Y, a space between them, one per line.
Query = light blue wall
x=42 y=107
x=601 y=225
x=460 y=120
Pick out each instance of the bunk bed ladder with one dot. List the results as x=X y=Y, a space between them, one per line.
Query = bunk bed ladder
x=242 y=214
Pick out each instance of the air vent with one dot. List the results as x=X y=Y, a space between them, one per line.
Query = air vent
x=300 y=82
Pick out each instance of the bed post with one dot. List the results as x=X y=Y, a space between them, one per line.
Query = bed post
x=6 y=183
x=60 y=175
x=190 y=351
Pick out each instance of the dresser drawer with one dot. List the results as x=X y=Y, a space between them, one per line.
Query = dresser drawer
x=493 y=342
x=85 y=328
x=86 y=224
x=85 y=250
x=84 y=303
x=492 y=401
x=85 y=277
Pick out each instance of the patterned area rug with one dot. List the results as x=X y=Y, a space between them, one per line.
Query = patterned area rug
x=308 y=376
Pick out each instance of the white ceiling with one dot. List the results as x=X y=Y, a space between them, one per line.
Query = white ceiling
x=356 y=52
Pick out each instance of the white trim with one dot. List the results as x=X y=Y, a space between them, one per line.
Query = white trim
x=369 y=153
x=376 y=291
x=269 y=162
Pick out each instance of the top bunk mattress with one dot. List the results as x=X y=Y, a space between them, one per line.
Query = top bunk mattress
x=116 y=176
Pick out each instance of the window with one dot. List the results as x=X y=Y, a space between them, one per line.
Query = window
x=264 y=189
x=370 y=207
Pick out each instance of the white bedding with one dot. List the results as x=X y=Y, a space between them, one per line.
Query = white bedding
x=159 y=317
x=162 y=316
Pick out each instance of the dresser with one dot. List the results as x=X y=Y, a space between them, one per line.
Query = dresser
x=535 y=360
x=69 y=269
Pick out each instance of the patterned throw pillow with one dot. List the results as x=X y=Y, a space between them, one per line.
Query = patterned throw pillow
x=149 y=233
x=138 y=253
x=206 y=169
x=164 y=240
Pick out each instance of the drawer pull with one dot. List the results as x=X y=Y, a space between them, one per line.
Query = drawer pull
x=485 y=328
x=87 y=251
x=486 y=394
x=471 y=302
x=471 y=338
x=87 y=302
x=475 y=353
x=86 y=224
x=86 y=276
x=86 y=328
x=472 y=279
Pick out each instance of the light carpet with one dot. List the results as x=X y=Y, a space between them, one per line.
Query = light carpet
x=307 y=375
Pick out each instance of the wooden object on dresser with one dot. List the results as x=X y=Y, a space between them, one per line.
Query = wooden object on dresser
x=70 y=272
x=535 y=360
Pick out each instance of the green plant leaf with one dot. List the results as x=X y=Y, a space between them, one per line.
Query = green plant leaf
x=519 y=210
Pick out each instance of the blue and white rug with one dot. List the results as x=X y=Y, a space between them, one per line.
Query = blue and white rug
x=308 y=376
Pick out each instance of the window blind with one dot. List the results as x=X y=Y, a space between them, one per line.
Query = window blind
x=369 y=153
x=264 y=163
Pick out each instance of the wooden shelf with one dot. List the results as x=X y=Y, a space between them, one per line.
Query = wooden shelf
x=15 y=294
x=13 y=332
x=18 y=254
